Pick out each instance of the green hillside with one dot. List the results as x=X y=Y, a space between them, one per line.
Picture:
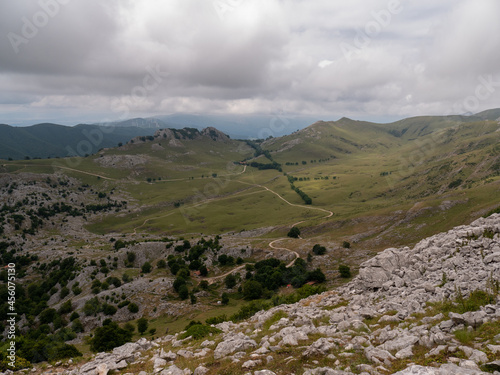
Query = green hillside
x=384 y=183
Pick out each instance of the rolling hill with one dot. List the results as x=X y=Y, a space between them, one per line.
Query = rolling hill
x=122 y=234
x=425 y=172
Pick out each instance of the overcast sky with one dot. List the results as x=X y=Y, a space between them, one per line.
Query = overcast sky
x=72 y=61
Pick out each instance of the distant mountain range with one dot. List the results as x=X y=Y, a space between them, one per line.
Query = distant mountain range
x=49 y=140
x=52 y=140
x=236 y=126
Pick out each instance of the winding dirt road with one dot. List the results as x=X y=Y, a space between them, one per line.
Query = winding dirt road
x=271 y=244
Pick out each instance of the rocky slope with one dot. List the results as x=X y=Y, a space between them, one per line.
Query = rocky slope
x=428 y=310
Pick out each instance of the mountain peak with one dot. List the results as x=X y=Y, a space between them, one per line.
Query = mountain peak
x=215 y=134
x=345 y=120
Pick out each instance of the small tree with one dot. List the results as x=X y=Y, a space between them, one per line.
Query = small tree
x=345 y=271
x=64 y=292
x=74 y=316
x=204 y=284
x=161 y=264
x=183 y=292
x=108 y=337
x=130 y=258
x=133 y=308
x=193 y=299
x=230 y=281
x=66 y=307
x=178 y=282
x=119 y=245
x=129 y=327
x=203 y=270
x=146 y=267
x=77 y=326
x=294 y=232
x=346 y=245
x=109 y=309
x=225 y=298
x=222 y=259
x=252 y=289
x=142 y=325
x=316 y=275
x=319 y=250
x=47 y=316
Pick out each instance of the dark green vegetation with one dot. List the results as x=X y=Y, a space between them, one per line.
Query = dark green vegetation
x=294 y=232
x=248 y=310
x=197 y=331
x=109 y=336
x=57 y=141
x=271 y=274
x=344 y=271
x=49 y=329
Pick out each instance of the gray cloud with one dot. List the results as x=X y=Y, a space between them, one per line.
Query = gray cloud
x=83 y=60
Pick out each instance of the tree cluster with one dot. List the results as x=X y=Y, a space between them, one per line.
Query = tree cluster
x=270 y=274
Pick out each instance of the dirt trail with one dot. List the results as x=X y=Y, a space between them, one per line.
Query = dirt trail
x=271 y=244
x=69 y=169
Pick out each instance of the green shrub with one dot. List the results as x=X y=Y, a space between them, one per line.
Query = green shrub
x=318 y=249
x=199 y=331
x=345 y=271
x=142 y=325
x=464 y=336
x=92 y=306
x=129 y=327
x=146 y=267
x=76 y=289
x=109 y=309
x=77 y=326
x=183 y=292
x=294 y=232
x=193 y=298
x=133 y=308
x=249 y=310
x=74 y=316
x=455 y=183
x=475 y=300
x=230 y=281
x=120 y=245
x=274 y=318
x=109 y=337
x=494 y=211
x=19 y=363
x=47 y=316
x=217 y=319
x=66 y=307
x=252 y=289
x=63 y=292
x=123 y=304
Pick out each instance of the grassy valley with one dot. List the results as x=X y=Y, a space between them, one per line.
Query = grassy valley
x=353 y=187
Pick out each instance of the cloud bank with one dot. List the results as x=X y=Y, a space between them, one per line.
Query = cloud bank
x=73 y=61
